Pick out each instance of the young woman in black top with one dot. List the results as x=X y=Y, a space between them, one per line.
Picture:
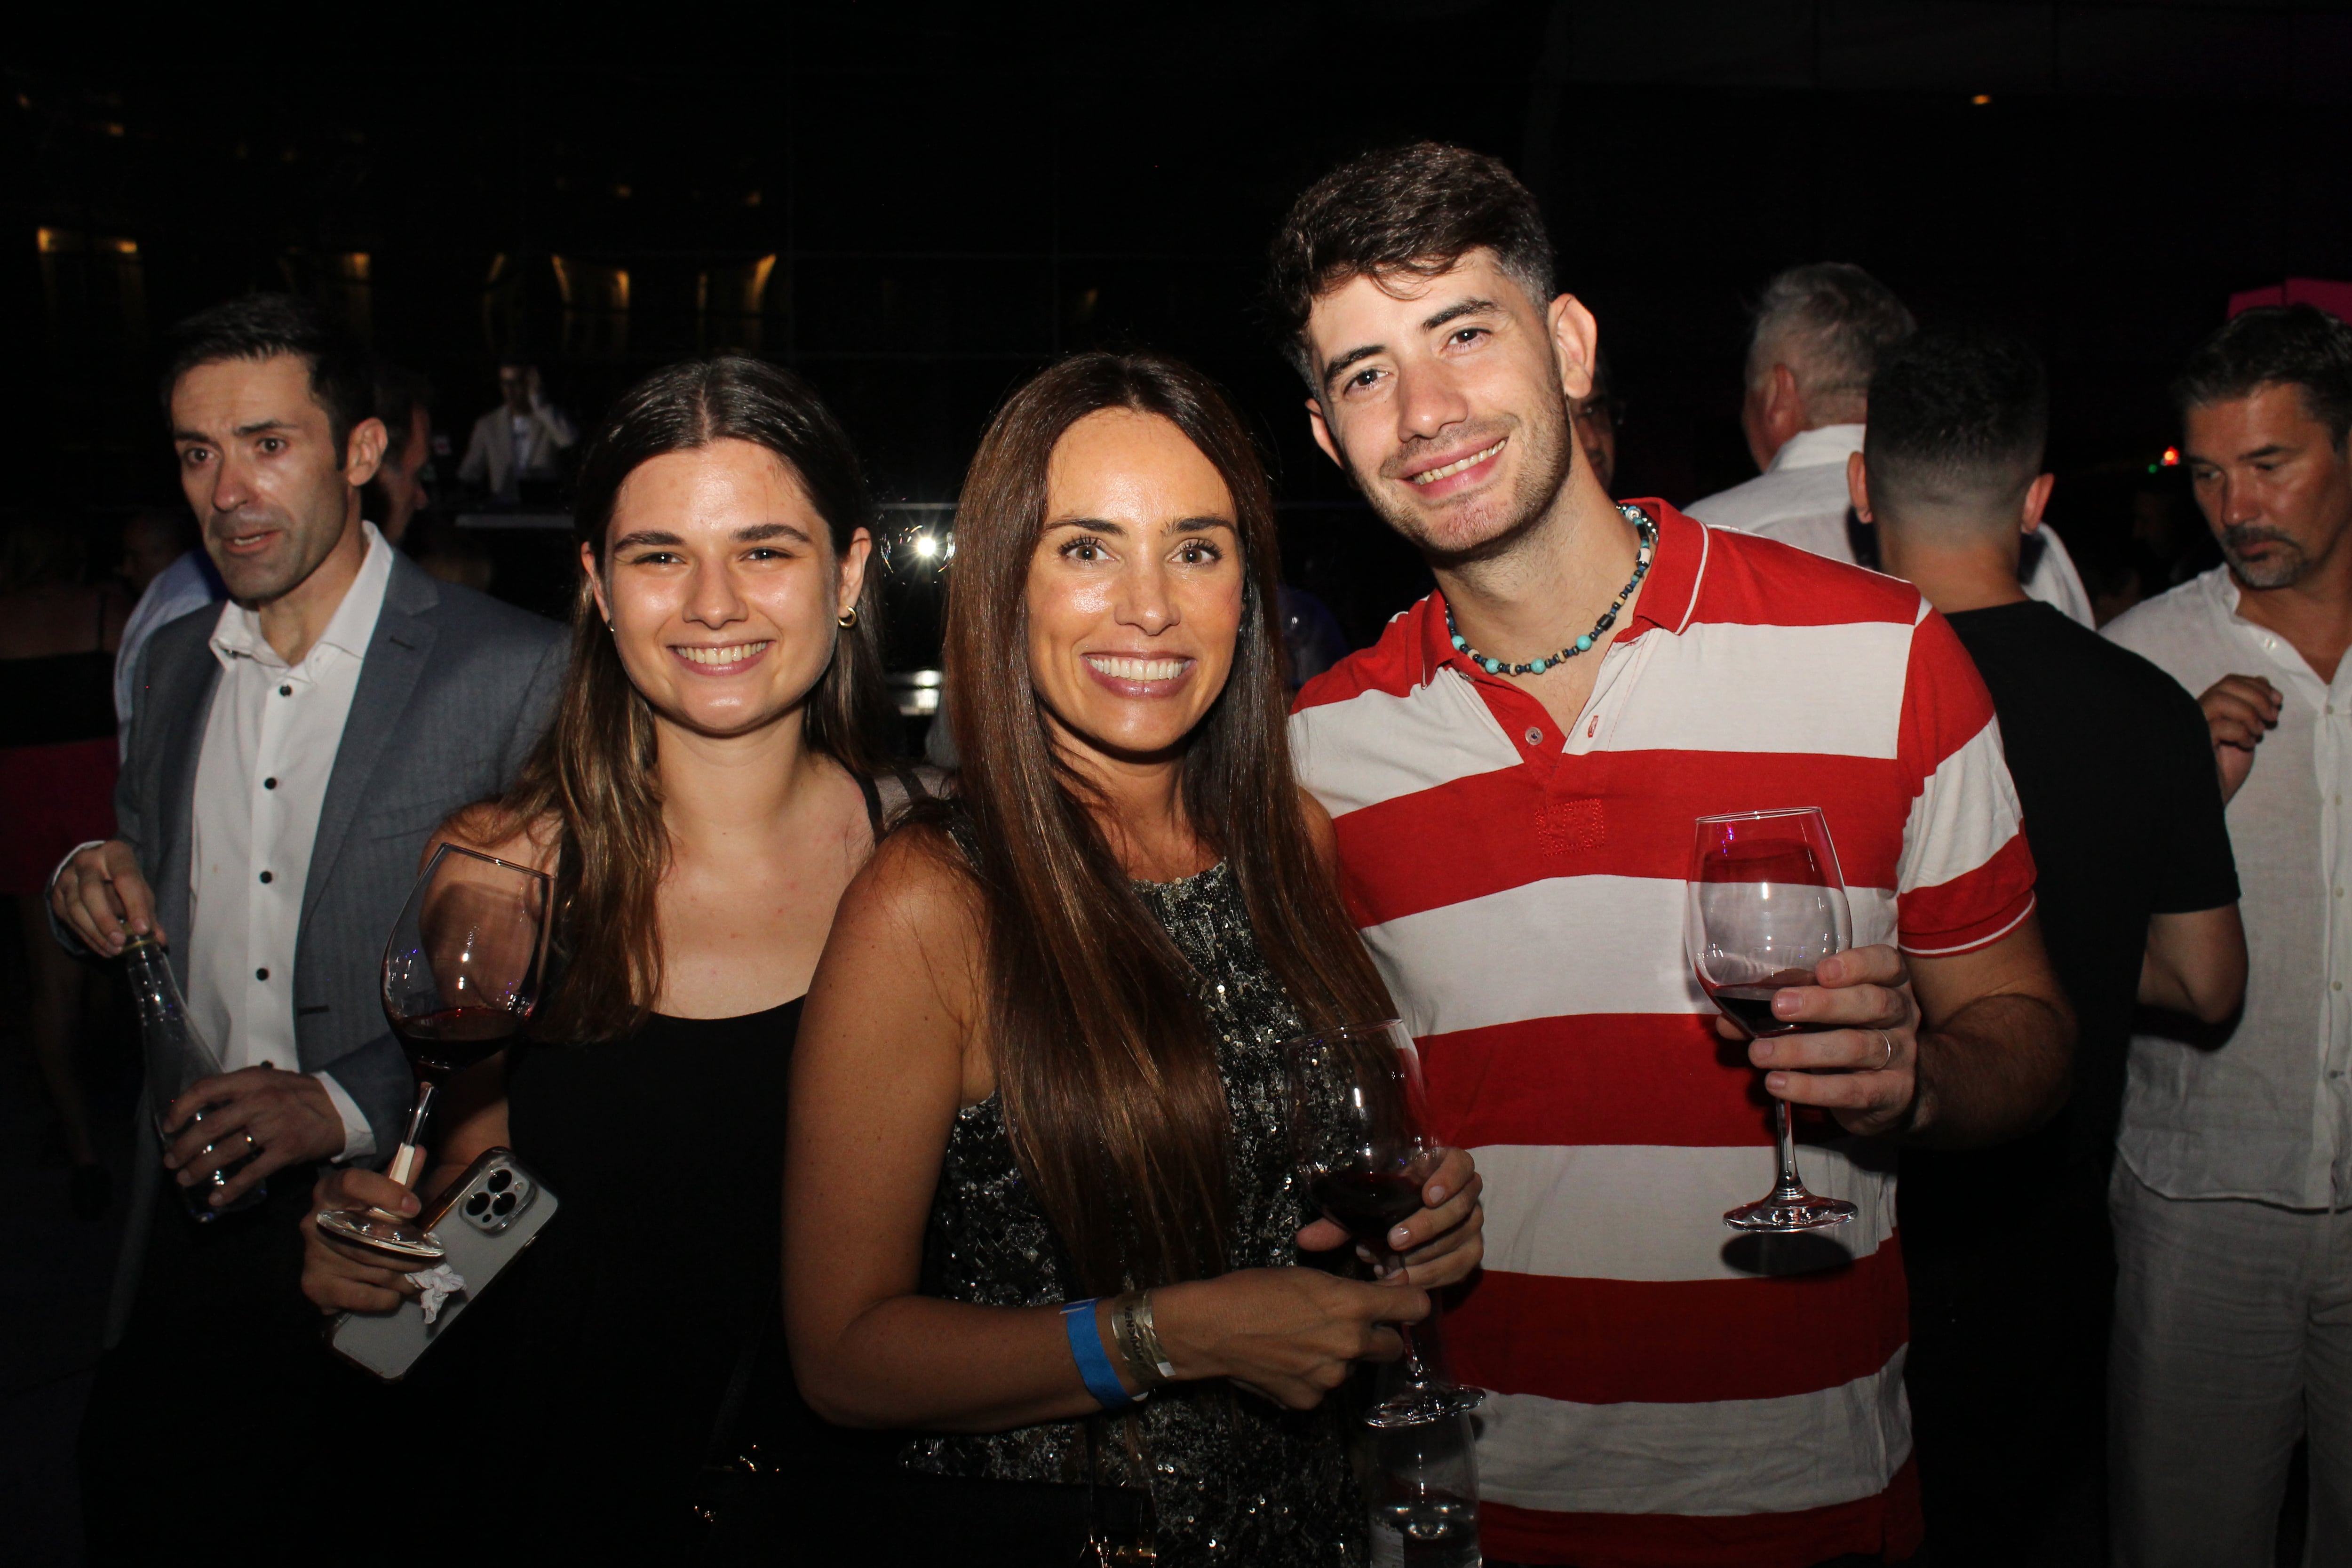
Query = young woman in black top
x=702 y=797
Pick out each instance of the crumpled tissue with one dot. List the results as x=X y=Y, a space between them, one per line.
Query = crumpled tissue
x=440 y=1283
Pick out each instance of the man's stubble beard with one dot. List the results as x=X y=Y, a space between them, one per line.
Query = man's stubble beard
x=2292 y=565
x=257 y=583
x=1549 y=457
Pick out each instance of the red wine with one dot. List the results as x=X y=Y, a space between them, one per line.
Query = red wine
x=455 y=1038
x=1750 y=1007
x=1366 y=1204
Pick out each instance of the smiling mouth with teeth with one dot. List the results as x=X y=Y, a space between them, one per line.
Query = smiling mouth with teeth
x=720 y=655
x=1119 y=669
x=1458 y=465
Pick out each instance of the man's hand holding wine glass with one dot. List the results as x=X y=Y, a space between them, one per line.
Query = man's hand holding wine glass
x=1857 y=1057
x=278 y=1118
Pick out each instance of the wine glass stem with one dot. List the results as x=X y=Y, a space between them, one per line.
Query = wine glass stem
x=408 y=1160
x=1787 y=1135
x=1417 y=1374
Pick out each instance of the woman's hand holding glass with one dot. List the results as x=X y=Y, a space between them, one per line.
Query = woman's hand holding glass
x=1440 y=1246
x=339 y=1277
x=1289 y=1334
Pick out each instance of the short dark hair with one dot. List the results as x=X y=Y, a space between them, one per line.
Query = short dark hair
x=1955 y=415
x=399 y=393
x=1418 y=210
x=2274 y=346
x=262 y=326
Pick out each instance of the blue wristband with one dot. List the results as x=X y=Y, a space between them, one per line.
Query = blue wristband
x=1094 y=1362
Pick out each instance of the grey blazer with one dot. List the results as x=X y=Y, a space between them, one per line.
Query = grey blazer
x=455 y=691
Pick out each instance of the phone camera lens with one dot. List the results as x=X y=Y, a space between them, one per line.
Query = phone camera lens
x=499 y=1180
x=478 y=1204
x=505 y=1204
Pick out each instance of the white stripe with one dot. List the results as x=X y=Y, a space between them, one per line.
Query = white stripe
x=1556 y=948
x=1966 y=812
x=1724 y=686
x=1654 y=1212
x=1698 y=578
x=1374 y=747
x=1720 y=1458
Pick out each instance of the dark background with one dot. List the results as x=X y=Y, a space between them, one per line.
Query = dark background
x=940 y=197
x=916 y=204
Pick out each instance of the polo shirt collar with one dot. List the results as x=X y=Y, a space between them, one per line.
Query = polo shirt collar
x=1676 y=567
x=1817 y=448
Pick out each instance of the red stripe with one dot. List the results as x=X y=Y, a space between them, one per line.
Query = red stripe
x=1611 y=1341
x=1974 y=907
x=1758 y=582
x=1622 y=814
x=1888 y=1526
x=1945 y=703
x=1601 y=1078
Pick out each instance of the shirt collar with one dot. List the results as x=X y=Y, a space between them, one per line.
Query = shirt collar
x=1668 y=593
x=1817 y=448
x=239 y=632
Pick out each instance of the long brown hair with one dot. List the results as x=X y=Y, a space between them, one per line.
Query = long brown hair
x=1108 y=1075
x=590 y=784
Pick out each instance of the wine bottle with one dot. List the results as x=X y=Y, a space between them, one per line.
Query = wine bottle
x=177 y=1056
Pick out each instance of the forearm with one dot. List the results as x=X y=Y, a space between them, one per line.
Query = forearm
x=1996 y=1069
x=918 y=1363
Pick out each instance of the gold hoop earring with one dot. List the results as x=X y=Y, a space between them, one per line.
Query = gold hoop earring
x=849 y=620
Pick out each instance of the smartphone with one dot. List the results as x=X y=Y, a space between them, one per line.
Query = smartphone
x=486 y=1219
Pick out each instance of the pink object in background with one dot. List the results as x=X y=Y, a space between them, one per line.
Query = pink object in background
x=2335 y=298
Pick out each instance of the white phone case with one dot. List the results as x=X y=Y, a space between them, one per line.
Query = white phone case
x=492 y=1214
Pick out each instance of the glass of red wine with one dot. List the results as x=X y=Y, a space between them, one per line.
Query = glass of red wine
x=1358 y=1121
x=1767 y=903
x=461 y=972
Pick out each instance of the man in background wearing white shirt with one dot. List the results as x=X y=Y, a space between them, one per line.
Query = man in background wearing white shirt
x=1817 y=334
x=290 y=755
x=2232 y=1197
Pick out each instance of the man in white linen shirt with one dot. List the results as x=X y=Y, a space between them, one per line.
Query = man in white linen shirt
x=2232 y=1197
x=1818 y=331
x=290 y=755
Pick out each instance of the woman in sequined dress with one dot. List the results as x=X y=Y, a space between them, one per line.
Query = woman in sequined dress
x=1040 y=1064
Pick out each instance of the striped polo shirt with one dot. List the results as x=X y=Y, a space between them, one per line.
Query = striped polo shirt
x=1663 y=1391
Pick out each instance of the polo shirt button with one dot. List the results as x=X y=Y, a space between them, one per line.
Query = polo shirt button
x=270 y=783
x=261 y=974
x=267 y=879
x=1535 y=736
x=285 y=691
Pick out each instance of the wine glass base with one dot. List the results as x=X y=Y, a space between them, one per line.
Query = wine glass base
x=1420 y=1406
x=362 y=1228
x=1780 y=1213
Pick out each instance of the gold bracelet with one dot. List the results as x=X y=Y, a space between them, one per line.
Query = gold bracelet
x=1147 y=1337
x=1130 y=1329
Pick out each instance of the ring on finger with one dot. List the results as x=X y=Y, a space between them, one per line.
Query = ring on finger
x=1888 y=1041
x=250 y=1140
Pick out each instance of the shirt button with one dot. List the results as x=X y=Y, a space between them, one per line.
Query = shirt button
x=261 y=974
x=270 y=783
x=285 y=691
x=1535 y=736
x=267 y=879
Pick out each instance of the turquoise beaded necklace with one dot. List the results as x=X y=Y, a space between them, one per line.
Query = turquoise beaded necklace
x=1649 y=535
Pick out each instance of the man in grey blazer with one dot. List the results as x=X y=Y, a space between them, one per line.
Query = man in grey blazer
x=289 y=754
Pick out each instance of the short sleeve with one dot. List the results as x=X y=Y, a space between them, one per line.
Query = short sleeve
x=1966 y=876
x=2196 y=870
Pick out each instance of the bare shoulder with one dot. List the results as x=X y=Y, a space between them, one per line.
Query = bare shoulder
x=1319 y=830
x=917 y=886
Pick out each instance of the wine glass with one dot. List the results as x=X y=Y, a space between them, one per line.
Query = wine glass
x=461 y=972
x=1358 y=1113
x=1767 y=903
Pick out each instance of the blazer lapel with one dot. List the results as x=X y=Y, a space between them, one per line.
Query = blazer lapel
x=188 y=701
x=395 y=658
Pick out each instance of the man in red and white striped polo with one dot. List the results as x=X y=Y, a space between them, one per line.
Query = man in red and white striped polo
x=1513 y=771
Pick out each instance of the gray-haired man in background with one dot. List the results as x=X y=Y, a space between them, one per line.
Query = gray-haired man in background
x=1818 y=331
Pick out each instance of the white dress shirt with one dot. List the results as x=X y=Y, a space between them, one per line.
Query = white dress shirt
x=177 y=589
x=261 y=778
x=1801 y=499
x=2268 y=1115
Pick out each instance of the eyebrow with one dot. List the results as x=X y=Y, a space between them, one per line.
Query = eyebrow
x=750 y=534
x=256 y=428
x=1454 y=312
x=1181 y=525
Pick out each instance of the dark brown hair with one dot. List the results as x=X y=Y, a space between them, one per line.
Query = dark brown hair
x=590 y=784
x=1110 y=1077
x=1417 y=210
x=2274 y=346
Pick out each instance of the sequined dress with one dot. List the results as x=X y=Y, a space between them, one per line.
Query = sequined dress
x=1232 y=1478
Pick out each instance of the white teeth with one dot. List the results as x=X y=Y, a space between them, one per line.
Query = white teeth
x=735 y=655
x=1472 y=461
x=1136 y=669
